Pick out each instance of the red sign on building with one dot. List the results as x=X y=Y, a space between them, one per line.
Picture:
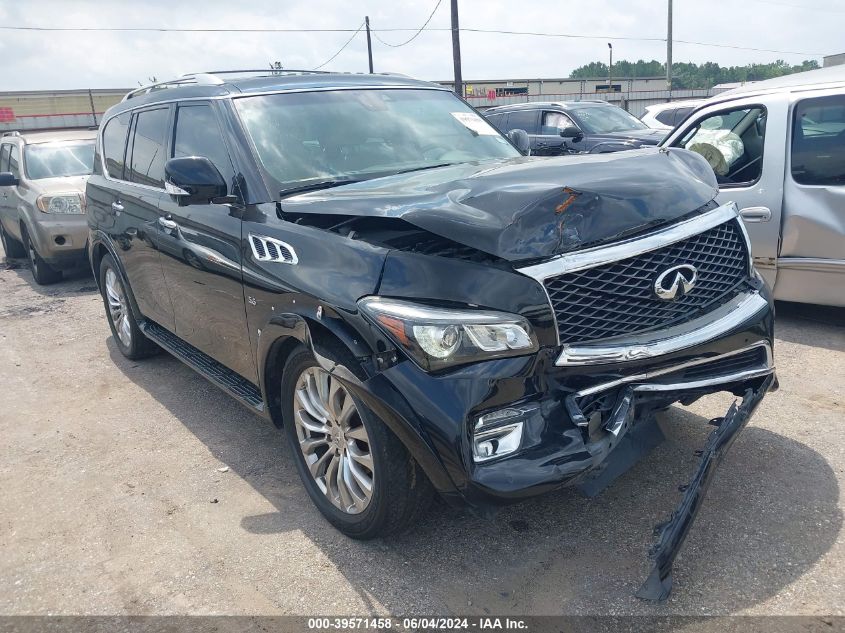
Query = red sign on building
x=7 y=115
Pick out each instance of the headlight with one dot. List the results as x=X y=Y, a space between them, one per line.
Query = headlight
x=69 y=203
x=442 y=337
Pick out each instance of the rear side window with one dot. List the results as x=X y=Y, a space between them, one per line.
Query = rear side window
x=197 y=134
x=818 y=141
x=523 y=120
x=114 y=144
x=497 y=121
x=148 y=148
x=681 y=115
x=14 y=162
x=666 y=117
x=4 y=157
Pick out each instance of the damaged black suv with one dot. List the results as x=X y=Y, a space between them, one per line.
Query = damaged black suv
x=365 y=261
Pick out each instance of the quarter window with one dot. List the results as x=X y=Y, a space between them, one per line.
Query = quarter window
x=666 y=117
x=148 y=148
x=114 y=144
x=732 y=142
x=197 y=134
x=818 y=141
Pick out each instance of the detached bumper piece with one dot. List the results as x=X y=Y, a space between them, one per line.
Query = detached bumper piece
x=672 y=533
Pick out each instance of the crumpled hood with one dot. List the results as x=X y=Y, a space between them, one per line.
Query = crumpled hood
x=530 y=208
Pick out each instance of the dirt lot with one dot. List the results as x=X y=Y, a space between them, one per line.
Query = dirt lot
x=113 y=500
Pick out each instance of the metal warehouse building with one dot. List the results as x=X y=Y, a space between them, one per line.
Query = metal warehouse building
x=55 y=109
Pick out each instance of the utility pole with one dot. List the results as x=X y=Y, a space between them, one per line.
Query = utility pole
x=456 y=50
x=369 y=43
x=610 y=69
x=669 y=53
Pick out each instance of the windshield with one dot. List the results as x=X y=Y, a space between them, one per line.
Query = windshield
x=51 y=160
x=604 y=119
x=319 y=137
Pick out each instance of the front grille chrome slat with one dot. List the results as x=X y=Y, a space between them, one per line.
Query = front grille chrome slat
x=617 y=298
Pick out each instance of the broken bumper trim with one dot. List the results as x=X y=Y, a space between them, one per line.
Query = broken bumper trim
x=672 y=533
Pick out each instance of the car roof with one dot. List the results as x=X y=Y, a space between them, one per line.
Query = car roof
x=211 y=85
x=686 y=103
x=832 y=77
x=551 y=104
x=55 y=136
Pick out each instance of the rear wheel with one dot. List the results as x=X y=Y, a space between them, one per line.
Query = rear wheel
x=127 y=335
x=12 y=247
x=356 y=471
x=43 y=273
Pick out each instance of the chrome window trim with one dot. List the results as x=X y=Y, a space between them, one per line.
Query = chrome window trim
x=599 y=255
x=767 y=368
x=649 y=345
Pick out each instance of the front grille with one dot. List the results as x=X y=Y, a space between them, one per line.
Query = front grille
x=618 y=298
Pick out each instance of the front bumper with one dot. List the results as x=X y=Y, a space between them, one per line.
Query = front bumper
x=60 y=240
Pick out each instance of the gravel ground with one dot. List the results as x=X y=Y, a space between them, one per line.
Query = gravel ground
x=138 y=488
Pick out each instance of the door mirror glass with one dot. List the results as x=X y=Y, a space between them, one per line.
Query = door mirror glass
x=571 y=132
x=193 y=180
x=520 y=140
x=7 y=179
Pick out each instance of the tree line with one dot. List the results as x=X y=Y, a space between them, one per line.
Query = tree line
x=688 y=75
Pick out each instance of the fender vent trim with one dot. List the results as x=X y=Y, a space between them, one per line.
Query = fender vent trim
x=268 y=249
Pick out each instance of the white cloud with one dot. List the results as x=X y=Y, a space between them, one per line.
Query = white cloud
x=55 y=60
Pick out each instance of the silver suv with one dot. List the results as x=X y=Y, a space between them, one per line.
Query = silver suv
x=42 y=198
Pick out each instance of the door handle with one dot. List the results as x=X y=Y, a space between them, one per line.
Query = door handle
x=116 y=206
x=167 y=223
x=756 y=214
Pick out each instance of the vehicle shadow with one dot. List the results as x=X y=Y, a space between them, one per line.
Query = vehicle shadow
x=74 y=282
x=771 y=514
x=828 y=325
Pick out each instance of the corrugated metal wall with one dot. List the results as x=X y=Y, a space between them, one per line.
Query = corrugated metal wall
x=57 y=109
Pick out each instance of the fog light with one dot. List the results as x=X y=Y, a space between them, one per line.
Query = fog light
x=498 y=433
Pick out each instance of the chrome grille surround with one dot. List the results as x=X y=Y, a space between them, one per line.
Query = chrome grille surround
x=614 y=317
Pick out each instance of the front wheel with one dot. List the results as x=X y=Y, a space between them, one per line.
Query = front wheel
x=43 y=273
x=356 y=471
x=124 y=327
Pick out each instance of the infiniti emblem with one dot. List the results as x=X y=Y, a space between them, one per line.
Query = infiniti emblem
x=675 y=282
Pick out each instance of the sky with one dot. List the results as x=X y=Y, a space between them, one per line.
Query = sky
x=51 y=60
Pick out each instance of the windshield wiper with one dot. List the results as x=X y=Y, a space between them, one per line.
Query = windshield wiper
x=315 y=186
x=424 y=167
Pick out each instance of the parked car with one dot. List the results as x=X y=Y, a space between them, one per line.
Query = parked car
x=378 y=270
x=42 y=198
x=572 y=127
x=777 y=148
x=665 y=116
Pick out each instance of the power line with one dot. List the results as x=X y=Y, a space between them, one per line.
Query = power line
x=340 y=50
x=414 y=36
x=391 y=30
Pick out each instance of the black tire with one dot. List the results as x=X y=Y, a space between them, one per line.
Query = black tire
x=130 y=341
x=401 y=492
x=42 y=272
x=12 y=247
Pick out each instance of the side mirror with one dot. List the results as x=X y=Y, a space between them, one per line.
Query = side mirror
x=193 y=180
x=7 y=179
x=521 y=141
x=570 y=131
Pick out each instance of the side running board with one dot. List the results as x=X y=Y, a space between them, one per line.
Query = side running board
x=218 y=374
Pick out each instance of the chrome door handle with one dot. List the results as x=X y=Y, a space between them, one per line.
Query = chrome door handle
x=756 y=214
x=167 y=223
x=116 y=206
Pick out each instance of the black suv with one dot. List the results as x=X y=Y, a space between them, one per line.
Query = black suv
x=365 y=261
x=574 y=127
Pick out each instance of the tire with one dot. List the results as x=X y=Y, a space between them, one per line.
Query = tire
x=43 y=273
x=399 y=490
x=124 y=327
x=12 y=247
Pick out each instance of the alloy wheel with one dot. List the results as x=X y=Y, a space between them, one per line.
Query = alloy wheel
x=118 y=309
x=333 y=440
